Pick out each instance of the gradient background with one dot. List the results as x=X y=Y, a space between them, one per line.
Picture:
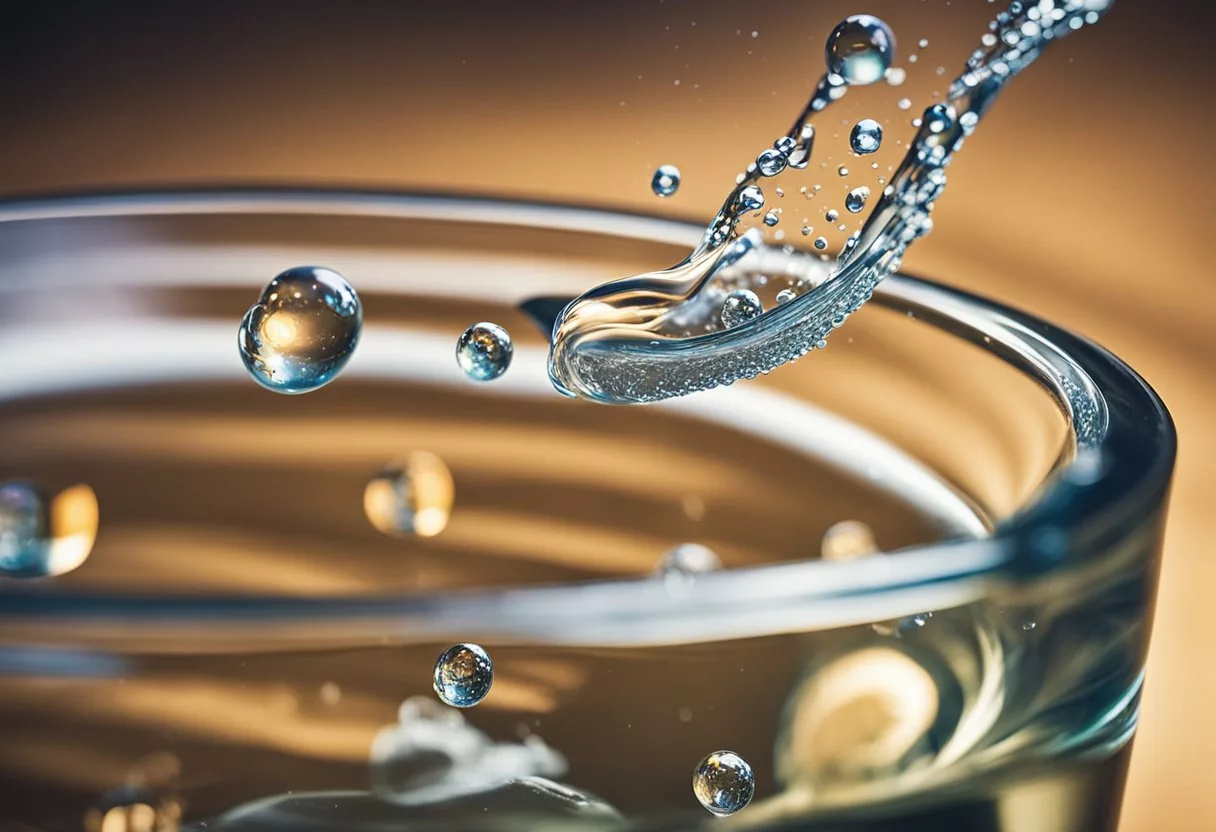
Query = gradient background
x=1079 y=199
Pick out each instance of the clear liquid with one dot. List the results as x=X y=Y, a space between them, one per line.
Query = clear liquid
x=658 y=335
x=970 y=718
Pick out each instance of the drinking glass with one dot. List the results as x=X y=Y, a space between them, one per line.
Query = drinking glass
x=938 y=539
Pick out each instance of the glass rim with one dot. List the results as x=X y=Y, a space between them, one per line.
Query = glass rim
x=1117 y=465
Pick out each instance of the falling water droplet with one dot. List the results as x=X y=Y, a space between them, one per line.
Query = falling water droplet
x=302 y=331
x=463 y=675
x=771 y=219
x=723 y=783
x=484 y=351
x=866 y=136
x=821 y=243
x=666 y=181
x=751 y=198
x=860 y=49
x=771 y=162
x=413 y=495
x=842 y=170
x=741 y=305
x=855 y=200
x=40 y=538
x=831 y=214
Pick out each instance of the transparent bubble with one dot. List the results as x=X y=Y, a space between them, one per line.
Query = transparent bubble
x=940 y=117
x=741 y=305
x=903 y=103
x=41 y=537
x=860 y=49
x=688 y=560
x=723 y=783
x=484 y=351
x=772 y=162
x=866 y=136
x=785 y=296
x=896 y=76
x=751 y=198
x=771 y=219
x=842 y=170
x=302 y=331
x=855 y=200
x=831 y=214
x=666 y=181
x=463 y=675
x=412 y=495
x=848 y=540
x=821 y=243
x=134 y=809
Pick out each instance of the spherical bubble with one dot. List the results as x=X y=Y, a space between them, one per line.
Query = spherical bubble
x=772 y=162
x=723 y=783
x=860 y=49
x=821 y=243
x=855 y=200
x=666 y=180
x=848 y=540
x=750 y=198
x=866 y=136
x=412 y=495
x=785 y=296
x=42 y=536
x=484 y=351
x=689 y=559
x=302 y=331
x=771 y=219
x=463 y=675
x=741 y=305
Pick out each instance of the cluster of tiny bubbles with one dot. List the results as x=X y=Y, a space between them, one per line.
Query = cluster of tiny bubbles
x=723 y=783
x=866 y=136
x=484 y=351
x=785 y=296
x=750 y=198
x=740 y=306
x=412 y=495
x=771 y=219
x=848 y=540
x=463 y=675
x=302 y=331
x=855 y=200
x=860 y=49
x=666 y=181
x=41 y=537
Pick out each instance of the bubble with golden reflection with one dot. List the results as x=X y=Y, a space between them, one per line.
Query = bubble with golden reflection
x=302 y=331
x=848 y=540
x=42 y=536
x=411 y=496
x=463 y=675
x=723 y=783
x=856 y=717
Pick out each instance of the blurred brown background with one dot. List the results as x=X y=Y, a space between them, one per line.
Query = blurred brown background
x=1079 y=199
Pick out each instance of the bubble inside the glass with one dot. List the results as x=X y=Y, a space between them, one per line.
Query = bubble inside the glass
x=240 y=647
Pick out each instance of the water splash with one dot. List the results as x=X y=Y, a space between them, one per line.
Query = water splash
x=659 y=335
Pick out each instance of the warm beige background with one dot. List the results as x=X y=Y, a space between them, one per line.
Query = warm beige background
x=1078 y=199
